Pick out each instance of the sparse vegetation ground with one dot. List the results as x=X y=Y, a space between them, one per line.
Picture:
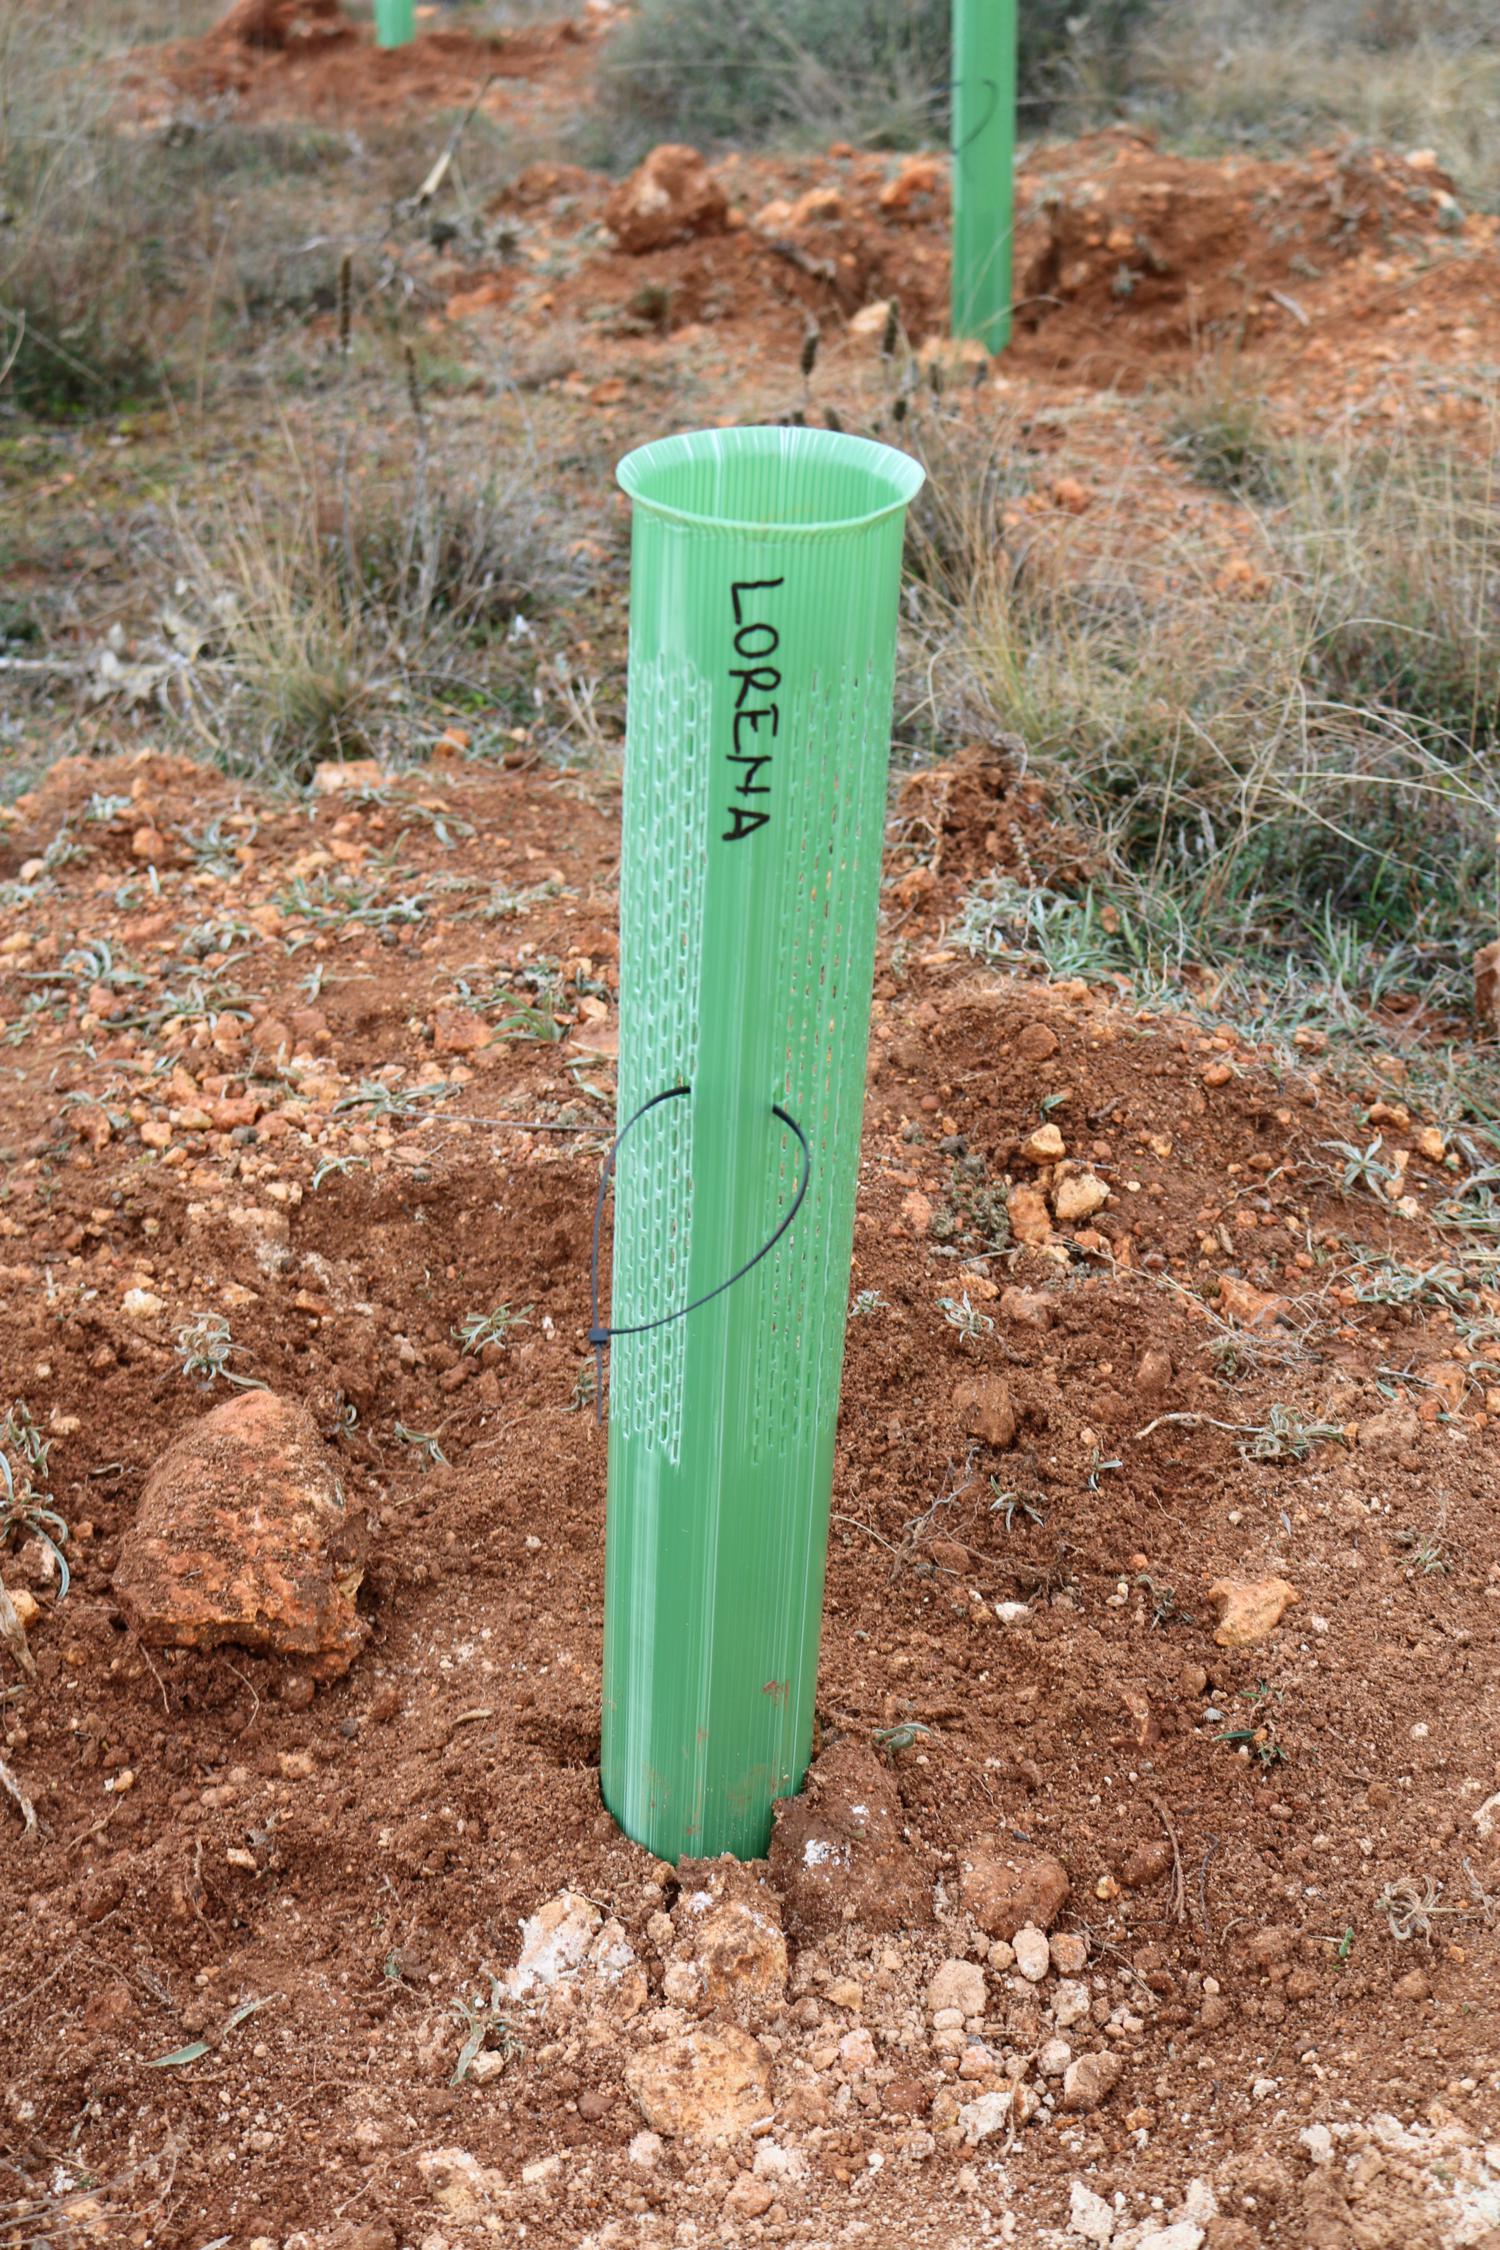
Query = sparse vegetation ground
x=1177 y=1282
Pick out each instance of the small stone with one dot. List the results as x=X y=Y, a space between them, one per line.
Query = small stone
x=749 y=2198
x=959 y=1985
x=1089 y=2081
x=1252 y=1308
x=741 y=1955
x=1053 y=2057
x=1089 y=2216
x=1079 y=1197
x=1070 y=1953
x=541 y=2171
x=1249 y=1610
x=242 y=1538
x=1318 y=2142
x=1070 y=2003
x=996 y=2113
x=1214 y=2013
x=1153 y=1374
x=1413 y=1986
x=1030 y=1219
x=1045 y=1146
x=709 y=2084
x=1149 y=1863
x=645 y=2151
x=554 y=1945
x=671 y=196
x=141 y=1304
x=1033 y=1955
x=1185 y=2234
x=1028 y=1308
x=857 y=2051
x=1036 y=1043
x=987 y=1413
x=458 y=1031
x=905 y=2096
x=487 y=2064
x=1005 y=1890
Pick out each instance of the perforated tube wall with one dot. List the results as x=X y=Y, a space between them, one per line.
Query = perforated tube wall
x=765 y=580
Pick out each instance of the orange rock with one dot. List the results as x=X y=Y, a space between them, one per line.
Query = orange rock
x=1249 y=1609
x=918 y=176
x=1252 y=1308
x=458 y=1031
x=242 y=1538
x=1030 y=1220
x=668 y=198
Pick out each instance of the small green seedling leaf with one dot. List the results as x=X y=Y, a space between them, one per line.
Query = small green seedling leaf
x=193 y=2052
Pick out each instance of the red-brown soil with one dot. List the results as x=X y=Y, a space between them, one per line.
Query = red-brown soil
x=354 y=1857
x=305 y=59
x=293 y=1065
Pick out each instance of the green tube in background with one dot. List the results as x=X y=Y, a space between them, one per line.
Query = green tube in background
x=395 y=22
x=984 y=153
x=765 y=576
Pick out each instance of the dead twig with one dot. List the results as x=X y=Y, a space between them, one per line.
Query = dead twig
x=1179 y=1900
x=13 y=1788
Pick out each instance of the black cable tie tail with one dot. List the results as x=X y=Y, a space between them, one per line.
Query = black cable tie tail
x=600 y=1333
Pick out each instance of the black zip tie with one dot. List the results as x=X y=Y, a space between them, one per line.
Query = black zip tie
x=600 y=1334
x=992 y=88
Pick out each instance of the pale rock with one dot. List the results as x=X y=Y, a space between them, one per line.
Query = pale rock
x=995 y=2113
x=1070 y=2003
x=1249 y=1609
x=555 y=1942
x=1028 y=1308
x=1079 y=1197
x=1089 y=2216
x=774 y=2161
x=140 y=1304
x=1045 y=1146
x=711 y=2083
x=645 y=2150
x=541 y=2171
x=1053 y=2057
x=1033 y=1954
x=1199 y=2203
x=1185 y=2234
x=1318 y=2142
x=957 y=1984
x=1090 y=2081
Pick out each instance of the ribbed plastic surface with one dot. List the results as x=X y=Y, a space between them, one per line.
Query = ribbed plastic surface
x=765 y=579
x=395 y=22
x=984 y=144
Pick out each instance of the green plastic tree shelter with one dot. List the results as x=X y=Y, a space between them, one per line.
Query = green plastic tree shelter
x=984 y=152
x=765 y=578
x=395 y=22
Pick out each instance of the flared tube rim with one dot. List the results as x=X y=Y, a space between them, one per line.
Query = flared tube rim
x=895 y=478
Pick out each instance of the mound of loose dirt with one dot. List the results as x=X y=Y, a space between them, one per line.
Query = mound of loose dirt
x=1198 y=1879
x=307 y=60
